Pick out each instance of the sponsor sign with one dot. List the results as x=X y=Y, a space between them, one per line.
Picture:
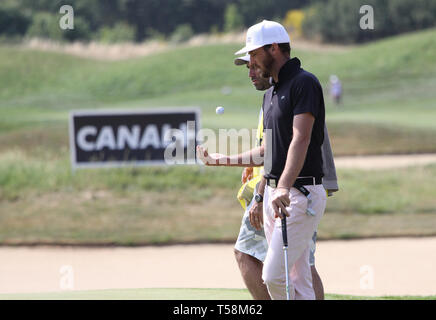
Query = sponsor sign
x=128 y=138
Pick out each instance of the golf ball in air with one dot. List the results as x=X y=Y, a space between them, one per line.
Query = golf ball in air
x=219 y=110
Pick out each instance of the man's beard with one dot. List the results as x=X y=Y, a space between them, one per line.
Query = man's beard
x=263 y=84
x=267 y=65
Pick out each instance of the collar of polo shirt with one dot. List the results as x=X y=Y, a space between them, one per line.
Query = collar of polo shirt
x=288 y=70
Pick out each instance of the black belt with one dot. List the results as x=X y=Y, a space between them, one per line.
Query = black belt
x=299 y=184
x=300 y=181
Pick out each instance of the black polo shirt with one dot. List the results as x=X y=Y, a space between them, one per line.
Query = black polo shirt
x=296 y=92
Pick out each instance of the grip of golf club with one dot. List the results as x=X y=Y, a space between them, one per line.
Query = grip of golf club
x=284 y=230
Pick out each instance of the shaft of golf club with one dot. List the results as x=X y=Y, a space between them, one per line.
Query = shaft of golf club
x=285 y=252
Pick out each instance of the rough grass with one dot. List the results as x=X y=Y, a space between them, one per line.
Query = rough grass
x=403 y=56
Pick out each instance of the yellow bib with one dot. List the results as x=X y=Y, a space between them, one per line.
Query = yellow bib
x=245 y=193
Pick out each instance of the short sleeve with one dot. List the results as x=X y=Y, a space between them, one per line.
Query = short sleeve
x=306 y=96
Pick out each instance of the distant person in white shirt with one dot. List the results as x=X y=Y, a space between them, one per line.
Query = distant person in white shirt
x=335 y=89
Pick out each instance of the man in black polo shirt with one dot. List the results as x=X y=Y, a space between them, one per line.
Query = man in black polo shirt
x=294 y=132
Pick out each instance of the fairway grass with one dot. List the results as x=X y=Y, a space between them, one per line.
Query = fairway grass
x=176 y=294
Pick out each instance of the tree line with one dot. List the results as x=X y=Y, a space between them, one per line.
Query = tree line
x=338 y=20
x=136 y=20
x=139 y=20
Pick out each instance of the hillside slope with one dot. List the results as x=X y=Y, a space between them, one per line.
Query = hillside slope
x=32 y=73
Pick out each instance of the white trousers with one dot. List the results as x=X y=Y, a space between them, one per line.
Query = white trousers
x=300 y=228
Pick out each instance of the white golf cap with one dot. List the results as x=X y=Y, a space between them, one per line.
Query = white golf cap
x=263 y=33
x=239 y=61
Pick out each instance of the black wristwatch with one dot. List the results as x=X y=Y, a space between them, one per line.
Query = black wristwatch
x=258 y=198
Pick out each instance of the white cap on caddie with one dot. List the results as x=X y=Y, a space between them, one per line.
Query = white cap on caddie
x=263 y=33
x=239 y=61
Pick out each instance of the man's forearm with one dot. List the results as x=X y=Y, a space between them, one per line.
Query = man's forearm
x=261 y=185
x=251 y=158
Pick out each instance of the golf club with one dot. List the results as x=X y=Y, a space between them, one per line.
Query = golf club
x=285 y=253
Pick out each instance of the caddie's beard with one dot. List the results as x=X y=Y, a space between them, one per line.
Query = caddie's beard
x=266 y=65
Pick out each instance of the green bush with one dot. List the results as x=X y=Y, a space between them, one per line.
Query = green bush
x=182 y=33
x=232 y=19
x=13 y=22
x=45 y=25
x=81 y=31
x=153 y=34
x=120 y=32
x=338 y=20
